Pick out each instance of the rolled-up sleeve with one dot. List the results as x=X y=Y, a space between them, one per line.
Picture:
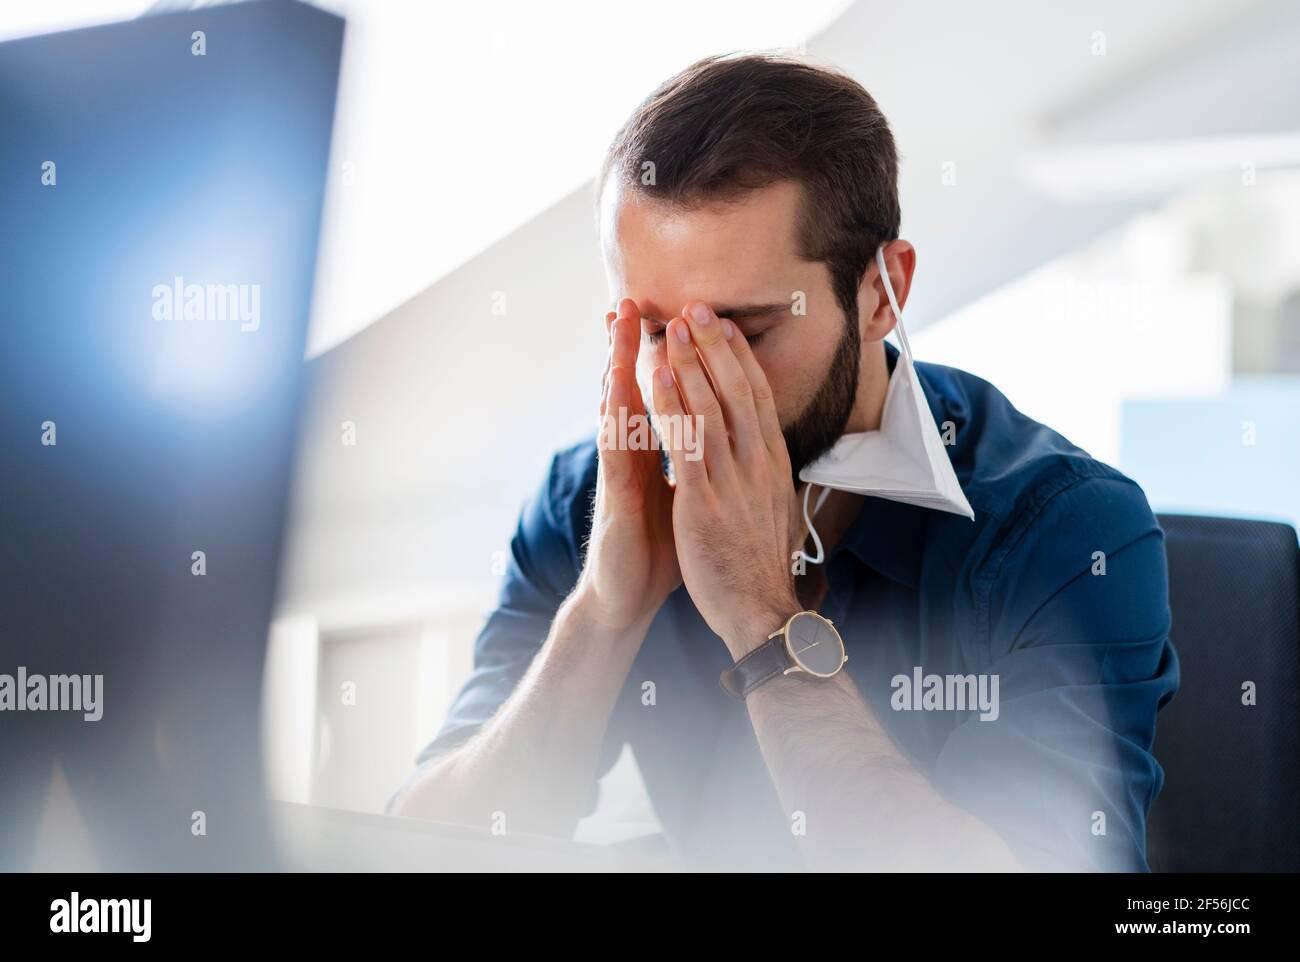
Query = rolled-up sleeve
x=541 y=569
x=1076 y=631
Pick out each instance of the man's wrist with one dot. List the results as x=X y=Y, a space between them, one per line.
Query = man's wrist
x=584 y=605
x=751 y=632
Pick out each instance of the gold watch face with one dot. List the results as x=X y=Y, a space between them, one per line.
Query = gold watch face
x=814 y=644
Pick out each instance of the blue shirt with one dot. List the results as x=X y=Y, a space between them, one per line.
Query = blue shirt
x=1058 y=587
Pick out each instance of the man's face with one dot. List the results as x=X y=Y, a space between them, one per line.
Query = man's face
x=741 y=259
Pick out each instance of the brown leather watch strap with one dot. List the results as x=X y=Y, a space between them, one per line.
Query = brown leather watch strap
x=763 y=663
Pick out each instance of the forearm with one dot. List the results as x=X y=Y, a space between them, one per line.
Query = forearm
x=865 y=806
x=535 y=760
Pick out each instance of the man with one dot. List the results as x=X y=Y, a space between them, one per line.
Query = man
x=741 y=209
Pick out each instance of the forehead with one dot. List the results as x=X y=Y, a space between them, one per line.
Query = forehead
x=721 y=252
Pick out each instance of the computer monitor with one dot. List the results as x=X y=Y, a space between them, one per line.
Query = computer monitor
x=161 y=185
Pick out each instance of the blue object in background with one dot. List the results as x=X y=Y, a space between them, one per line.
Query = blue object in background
x=1236 y=455
x=135 y=433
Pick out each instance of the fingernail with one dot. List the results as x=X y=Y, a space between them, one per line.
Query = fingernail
x=728 y=329
x=701 y=314
x=683 y=332
x=665 y=376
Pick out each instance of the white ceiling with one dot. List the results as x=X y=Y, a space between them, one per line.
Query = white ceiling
x=461 y=122
x=1015 y=96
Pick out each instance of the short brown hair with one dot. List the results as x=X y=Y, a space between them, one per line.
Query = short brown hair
x=734 y=123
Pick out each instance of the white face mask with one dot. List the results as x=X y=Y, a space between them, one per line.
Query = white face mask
x=903 y=461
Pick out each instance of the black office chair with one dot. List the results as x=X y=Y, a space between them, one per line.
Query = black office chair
x=1231 y=801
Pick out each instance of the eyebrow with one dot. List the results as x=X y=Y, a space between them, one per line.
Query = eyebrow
x=743 y=312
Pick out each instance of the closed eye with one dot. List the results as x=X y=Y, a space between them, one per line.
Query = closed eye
x=657 y=336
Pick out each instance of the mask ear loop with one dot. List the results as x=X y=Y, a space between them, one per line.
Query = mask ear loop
x=893 y=302
x=812 y=531
x=907 y=352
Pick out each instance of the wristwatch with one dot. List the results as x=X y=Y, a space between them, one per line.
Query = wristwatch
x=807 y=643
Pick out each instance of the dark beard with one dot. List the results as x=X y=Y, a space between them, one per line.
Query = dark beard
x=815 y=431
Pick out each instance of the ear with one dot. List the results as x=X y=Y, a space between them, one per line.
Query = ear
x=875 y=315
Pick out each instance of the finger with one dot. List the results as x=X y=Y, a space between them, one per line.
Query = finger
x=604 y=378
x=609 y=356
x=764 y=401
x=676 y=431
x=625 y=337
x=615 y=458
x=729 y=379
x=693 y=383
x=625 y=332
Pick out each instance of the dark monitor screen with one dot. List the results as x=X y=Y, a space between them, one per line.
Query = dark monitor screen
x=161 y=185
